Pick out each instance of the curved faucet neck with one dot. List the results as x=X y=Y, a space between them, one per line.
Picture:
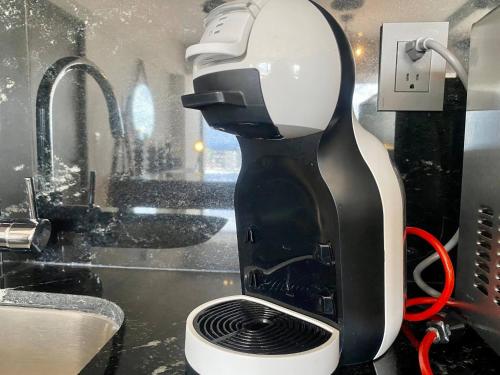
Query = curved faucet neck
x=44 y=107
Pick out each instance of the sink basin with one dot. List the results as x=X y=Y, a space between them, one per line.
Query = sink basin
x=156 y=231
x=45 y=333
x=132 y=230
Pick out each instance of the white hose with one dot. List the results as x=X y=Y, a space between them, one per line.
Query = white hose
x=423 y=45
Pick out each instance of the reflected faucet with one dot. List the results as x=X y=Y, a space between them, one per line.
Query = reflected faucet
x=44 y=107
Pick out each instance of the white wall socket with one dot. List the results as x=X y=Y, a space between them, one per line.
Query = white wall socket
x=405 y=85
x=412 y=76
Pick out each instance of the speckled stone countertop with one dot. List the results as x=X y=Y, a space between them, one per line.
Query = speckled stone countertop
x=68 y=302
x=157 y=303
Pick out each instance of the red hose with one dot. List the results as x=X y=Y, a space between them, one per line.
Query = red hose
x=449 y=283
x=430 y=300
x=405 y=328
x=423 y=353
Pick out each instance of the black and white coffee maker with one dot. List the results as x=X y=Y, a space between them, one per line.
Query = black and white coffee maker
x=319 y=208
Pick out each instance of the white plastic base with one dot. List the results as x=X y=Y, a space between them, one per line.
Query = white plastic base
x=209 y=359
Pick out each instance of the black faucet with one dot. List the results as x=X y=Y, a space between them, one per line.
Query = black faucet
x=78 y=218
x=44 y=103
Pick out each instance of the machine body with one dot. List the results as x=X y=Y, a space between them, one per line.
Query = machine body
x=319 y=207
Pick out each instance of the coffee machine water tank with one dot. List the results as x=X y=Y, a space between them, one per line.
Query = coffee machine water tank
x=318 y=204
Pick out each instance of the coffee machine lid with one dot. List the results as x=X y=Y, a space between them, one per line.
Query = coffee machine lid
x=290 y=46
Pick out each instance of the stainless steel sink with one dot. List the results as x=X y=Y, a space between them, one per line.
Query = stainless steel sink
x=42 y=333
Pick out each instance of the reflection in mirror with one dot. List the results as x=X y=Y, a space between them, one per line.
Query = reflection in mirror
x=169 y=183
x=141 y=106
x=221 y=157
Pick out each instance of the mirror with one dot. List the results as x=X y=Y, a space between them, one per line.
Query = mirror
x=128 y=166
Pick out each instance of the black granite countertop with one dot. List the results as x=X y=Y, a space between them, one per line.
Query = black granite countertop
x=157 y=303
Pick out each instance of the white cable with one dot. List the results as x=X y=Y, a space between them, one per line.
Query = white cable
x=281 y=265
x=423 y=45
x=426 y=44
x=417 y=273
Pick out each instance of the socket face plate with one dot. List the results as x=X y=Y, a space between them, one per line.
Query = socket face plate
x=397 y=75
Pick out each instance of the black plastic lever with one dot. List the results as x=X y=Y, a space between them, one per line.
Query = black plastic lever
x=206 y=99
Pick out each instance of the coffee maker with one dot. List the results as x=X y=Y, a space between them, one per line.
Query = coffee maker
x=318 y=203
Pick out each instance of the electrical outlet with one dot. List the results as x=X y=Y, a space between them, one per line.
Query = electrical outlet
x=406 y=85
x=412 y=76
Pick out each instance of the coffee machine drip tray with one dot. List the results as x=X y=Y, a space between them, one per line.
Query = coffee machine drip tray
x=250 y=327
x=258 y=337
